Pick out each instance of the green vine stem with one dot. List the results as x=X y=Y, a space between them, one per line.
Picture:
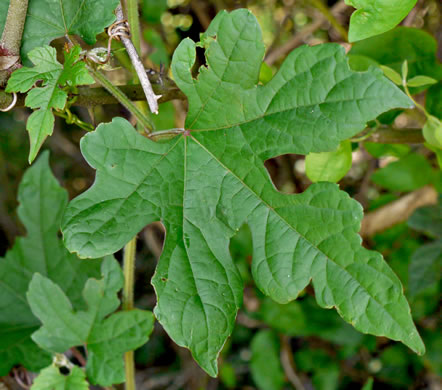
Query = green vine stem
x=134 y=23
x=90 y=97
x=128 y=304
x=129 y=271
x=121 y=97
x=419 y=106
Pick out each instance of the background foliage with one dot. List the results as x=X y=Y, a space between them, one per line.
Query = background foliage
x=273 y=345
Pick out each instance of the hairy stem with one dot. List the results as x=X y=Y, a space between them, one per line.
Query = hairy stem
x=128 y=304
x=11 y=38
x=122 y=98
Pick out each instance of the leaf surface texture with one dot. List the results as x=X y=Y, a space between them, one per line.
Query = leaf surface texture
x=205 y=184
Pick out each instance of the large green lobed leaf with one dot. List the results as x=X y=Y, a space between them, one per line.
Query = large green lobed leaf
x=205 y=184
x=42 y=202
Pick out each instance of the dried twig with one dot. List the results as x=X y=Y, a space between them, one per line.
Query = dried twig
x=288 y=364
x=152 y=99
x=11 y=39
x=397 y=211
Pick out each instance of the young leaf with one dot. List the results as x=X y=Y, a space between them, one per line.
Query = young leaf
x=416 y=46
x=52 y=379
x=329 y=166
x=265 y=364
x=50 y=96
x=428 y=220
x=425 y=266
x=382 y=150
x=419 y=81
x=433 y=100
x=392 y=74
x=106 y=338
x=376 y=17
x=42 y=202
x=306 y=318
x=368 y=385
x=48 y=20
x=206 y=183
x=407 y=174
x=433 y=132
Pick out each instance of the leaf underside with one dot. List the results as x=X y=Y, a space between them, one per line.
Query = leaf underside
x=42 y=202
x=204 y=185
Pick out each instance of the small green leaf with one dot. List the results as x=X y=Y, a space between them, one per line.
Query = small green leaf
x=265 y=364
x=305 y=318
x=50 y=96
x=265 y=73
x=42 y=203
x=227 y=375
x=428 y=220
x=107 y=338
x=392 y=74
x=419 y=81
x=360 y=63
x=52 y=379
x=376 y=17
x=381 y=150
x=152 y=10
x=433 y=132
x=48 y=20
x=368 y=385
x=159 y=55
x=407 y=174
x=425 y=266
x=433 y=100
x=329 y=166
x=403 y=43
x=324 y=370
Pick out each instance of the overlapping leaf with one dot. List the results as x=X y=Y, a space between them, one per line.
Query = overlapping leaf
x=375 y=17
x=203 y=185
x=52 y=379
x=329 y=166
x=106 y=338
x=265 y=363
x=42 y=202
x=416 y=46
x=48 y=20
x=49 y=96
x=425 y=264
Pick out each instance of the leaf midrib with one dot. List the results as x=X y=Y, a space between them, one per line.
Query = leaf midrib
x=293 y=228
